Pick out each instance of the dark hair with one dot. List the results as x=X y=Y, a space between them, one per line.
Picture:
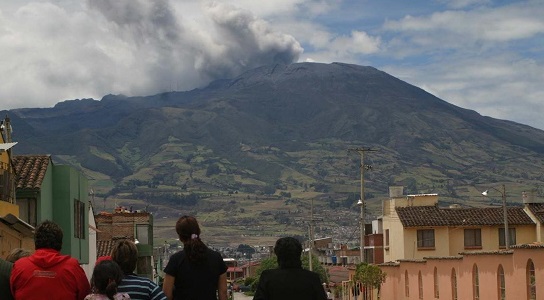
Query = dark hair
x=48 y=235
x=107 y=275
x=189 y=234
x=17 y=253
x=125 y=254
x=288 y=251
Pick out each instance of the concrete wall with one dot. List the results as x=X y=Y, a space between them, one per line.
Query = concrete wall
x=514 y=264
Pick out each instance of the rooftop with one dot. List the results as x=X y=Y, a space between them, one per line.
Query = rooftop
x=432 y=216
x=30 y=170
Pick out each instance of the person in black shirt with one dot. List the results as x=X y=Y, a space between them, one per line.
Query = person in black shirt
x=290 y=281
x=196 y=272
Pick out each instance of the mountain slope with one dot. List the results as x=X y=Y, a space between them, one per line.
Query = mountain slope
x=289 y=126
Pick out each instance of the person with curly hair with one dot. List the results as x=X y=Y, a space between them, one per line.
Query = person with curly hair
x=196 y=272
x=107 y=276
x=47 y=274
x=289 y=281
x=125 y=254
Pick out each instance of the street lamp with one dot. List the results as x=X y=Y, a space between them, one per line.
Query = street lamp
x=361 y=204
x=504 y=212
x=361 y=201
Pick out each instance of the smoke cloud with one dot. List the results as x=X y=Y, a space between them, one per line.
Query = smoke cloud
x=131 y=47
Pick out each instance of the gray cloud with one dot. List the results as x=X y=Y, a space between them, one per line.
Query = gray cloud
x=133 y=47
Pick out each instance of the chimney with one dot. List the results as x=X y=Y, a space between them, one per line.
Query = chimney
x=528 y=197
x=396 y=191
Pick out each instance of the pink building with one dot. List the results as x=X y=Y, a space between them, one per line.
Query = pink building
x=517 y=273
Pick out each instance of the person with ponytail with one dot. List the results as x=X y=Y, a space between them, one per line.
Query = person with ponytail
x=107 y=275
x=196 y=272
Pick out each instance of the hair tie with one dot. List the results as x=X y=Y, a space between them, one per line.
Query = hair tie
x=194 y=236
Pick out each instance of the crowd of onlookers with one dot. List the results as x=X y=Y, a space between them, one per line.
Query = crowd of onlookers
x=48 y=274
x=196 y=272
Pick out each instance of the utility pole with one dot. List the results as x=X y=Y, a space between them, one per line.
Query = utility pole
x=361 y=201
x=311 y=235
x=311 y=226
x=504 y=214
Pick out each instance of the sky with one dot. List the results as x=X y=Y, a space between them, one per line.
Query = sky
x=483 y=55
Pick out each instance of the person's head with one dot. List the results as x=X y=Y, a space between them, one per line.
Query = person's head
x=125 y=254
x=288 y=251
x=189 y=234
x=187 y=228
x=17 y=253
x=107 y=275
x=48 y=235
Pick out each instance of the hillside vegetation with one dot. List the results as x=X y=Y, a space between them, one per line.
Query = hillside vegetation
x=250 y=154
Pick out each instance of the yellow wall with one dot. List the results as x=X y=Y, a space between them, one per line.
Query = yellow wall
x=11 y=239
x=8 y=208
x=525 y=234
x=396 y=239
x=402 y=245
x=538 y=230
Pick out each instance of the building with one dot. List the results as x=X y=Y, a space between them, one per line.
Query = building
x=517 y=273
x=46 y=191
x=415 y=227
x=133 y=225
x=14 y=232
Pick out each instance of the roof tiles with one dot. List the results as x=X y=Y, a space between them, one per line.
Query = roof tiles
x=432 y=216
x=30 y=170
x=538 y=210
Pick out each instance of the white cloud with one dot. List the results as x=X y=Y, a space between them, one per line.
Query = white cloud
x=461 y=29
x=502 y=86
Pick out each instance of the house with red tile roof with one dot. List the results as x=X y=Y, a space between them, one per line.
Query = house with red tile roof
x=46 y=191
x=414 y=226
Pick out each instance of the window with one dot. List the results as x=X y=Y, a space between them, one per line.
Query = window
x=420 y=284
x=436 y=292
x=501 y=285
x=475 y=283
x=369 y=256
x=79 y=219
x=387 y=238
x=425 y=238
x=473 y=238
x=531 y=282
x=511 y=237
x=142 y=234
x=453 y=284
x=406 y=285
x=27 y=210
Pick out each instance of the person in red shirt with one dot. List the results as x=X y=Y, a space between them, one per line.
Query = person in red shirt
x=47 y=274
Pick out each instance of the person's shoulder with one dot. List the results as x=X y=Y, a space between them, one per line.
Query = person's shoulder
x=72 y=261
x=121 y=296
x=178 y=255
x=21 y=262
x=269 y=272
x=141 y=279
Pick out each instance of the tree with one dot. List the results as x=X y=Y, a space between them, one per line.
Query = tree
x=369 y=275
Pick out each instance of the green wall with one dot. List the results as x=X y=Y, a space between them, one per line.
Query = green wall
x=70 y=185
